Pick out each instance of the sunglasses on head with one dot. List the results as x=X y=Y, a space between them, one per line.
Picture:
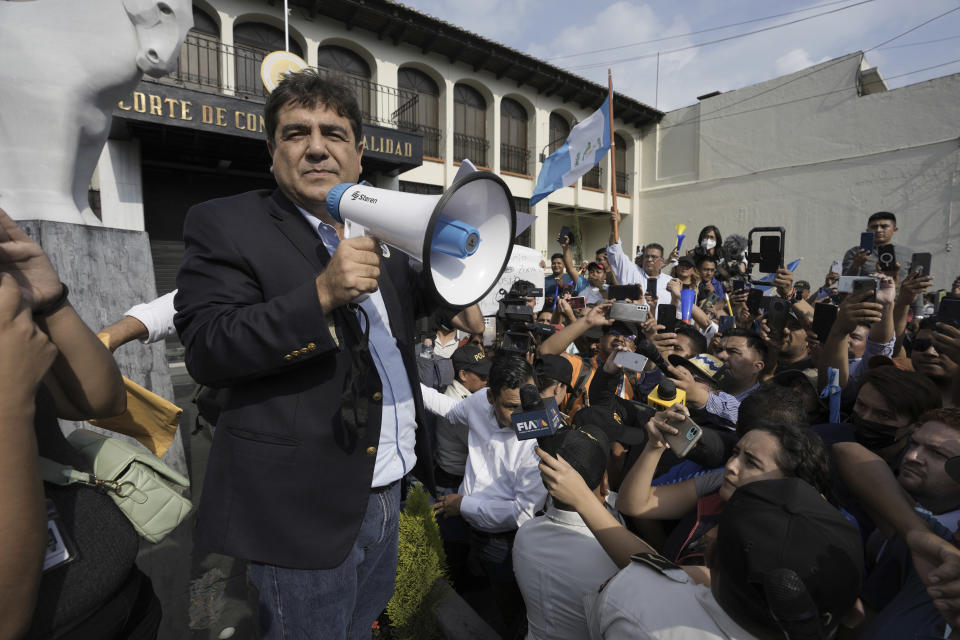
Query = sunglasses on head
x=623 y=335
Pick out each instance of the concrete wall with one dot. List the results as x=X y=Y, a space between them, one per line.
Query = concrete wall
x=804 y=151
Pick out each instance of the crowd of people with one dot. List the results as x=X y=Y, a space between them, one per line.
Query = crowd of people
x=812 y=494
x=737 y=457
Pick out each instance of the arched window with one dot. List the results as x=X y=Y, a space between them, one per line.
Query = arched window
x=559 y=131
x=353 y=70
x=514 y=153
x=419 y=108
x=199 y=63
x=469 y=125
x=252 y=42
x=340 y=60
x=621 y=161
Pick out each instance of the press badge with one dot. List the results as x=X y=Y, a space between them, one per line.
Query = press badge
x=60 y=548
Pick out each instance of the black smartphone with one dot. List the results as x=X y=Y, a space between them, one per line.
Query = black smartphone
x=565 y=233
x=886 y=257
x=624 y=292
x=776 y=315
x=667 y=316
x=739 y=285
x=824 y=315
x=770 y=256
x=866 y=240
x=949 y=312
x=651 y=287
x=755 y=300
x=865 y=284
x=920 y=263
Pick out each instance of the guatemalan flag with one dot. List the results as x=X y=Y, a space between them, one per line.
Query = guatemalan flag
x=589 y=141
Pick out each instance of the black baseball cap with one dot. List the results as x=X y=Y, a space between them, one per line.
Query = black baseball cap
x=611 y=422
x=554 y=367
x=773 y=527
x=473 y=359
x=585 y=449
x=687 y=260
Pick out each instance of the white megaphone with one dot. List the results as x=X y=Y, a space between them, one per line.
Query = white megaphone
x=463 y=236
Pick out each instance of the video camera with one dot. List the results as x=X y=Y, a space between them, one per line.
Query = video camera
x=518 y=331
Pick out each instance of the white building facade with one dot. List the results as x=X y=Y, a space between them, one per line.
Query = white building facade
x=816 y=151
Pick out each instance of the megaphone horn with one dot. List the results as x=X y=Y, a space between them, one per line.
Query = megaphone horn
x=463 y=237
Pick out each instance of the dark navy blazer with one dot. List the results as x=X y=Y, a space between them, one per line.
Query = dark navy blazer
x=288 y=478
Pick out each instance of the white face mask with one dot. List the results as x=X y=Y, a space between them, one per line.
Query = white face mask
x=708 y=243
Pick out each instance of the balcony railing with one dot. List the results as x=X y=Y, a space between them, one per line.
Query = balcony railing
x=475 y=149
x=622 y=186
x=514 y=159
x=204 y=60
x=592 y=178
x=432 y=138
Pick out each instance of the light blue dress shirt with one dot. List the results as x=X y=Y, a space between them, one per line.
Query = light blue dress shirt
x=398 y=418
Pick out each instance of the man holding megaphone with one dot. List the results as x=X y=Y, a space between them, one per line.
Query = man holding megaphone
x=320 y=421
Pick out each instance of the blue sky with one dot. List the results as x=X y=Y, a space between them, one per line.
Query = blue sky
x=549 y=29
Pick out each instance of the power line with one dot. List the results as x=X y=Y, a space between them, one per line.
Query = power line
x=693 y=33
x=719 y=40
x=917 y=44
x=922 y=24
x=835 y=62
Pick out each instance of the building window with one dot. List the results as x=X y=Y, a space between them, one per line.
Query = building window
x=469 y=125
x=425 y=115
x=514 y=153
x=353 y=71
x=522 y=205
x=198 y=66
x=559 y=131
x=252 y=42
x=621 y=160
x=420 y=187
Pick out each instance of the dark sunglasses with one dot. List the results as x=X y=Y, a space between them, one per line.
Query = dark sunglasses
x=922 y=344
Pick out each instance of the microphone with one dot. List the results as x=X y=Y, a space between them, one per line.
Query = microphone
x=647 y=348
x=791 y=605
x=539 y=417
x=666 y=394
x=733 y=248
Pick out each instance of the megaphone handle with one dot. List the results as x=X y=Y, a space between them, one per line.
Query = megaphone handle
x=354 y=230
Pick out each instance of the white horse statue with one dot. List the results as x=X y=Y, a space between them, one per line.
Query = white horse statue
x=64 y=64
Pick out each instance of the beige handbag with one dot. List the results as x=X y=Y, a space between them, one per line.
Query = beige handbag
x=138 y=482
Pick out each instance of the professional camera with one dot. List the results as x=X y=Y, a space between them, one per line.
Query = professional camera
x=518 y=332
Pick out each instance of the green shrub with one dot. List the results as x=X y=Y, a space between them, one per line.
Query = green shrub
x=421 y=562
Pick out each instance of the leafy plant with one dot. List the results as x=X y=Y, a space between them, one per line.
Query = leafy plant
x=420 y=564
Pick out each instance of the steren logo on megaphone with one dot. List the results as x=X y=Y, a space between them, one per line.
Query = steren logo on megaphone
x=356 y=195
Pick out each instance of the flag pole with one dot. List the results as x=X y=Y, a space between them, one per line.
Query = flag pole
x=286 y=26
x=613 y=150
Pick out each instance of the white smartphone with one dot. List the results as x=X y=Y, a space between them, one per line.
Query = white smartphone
x=836 y=268
x=630 y=360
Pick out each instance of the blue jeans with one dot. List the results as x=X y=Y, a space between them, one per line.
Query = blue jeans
x=340 y=603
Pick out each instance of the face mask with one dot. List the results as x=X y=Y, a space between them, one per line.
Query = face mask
x=708 y=243
x=874 y=435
